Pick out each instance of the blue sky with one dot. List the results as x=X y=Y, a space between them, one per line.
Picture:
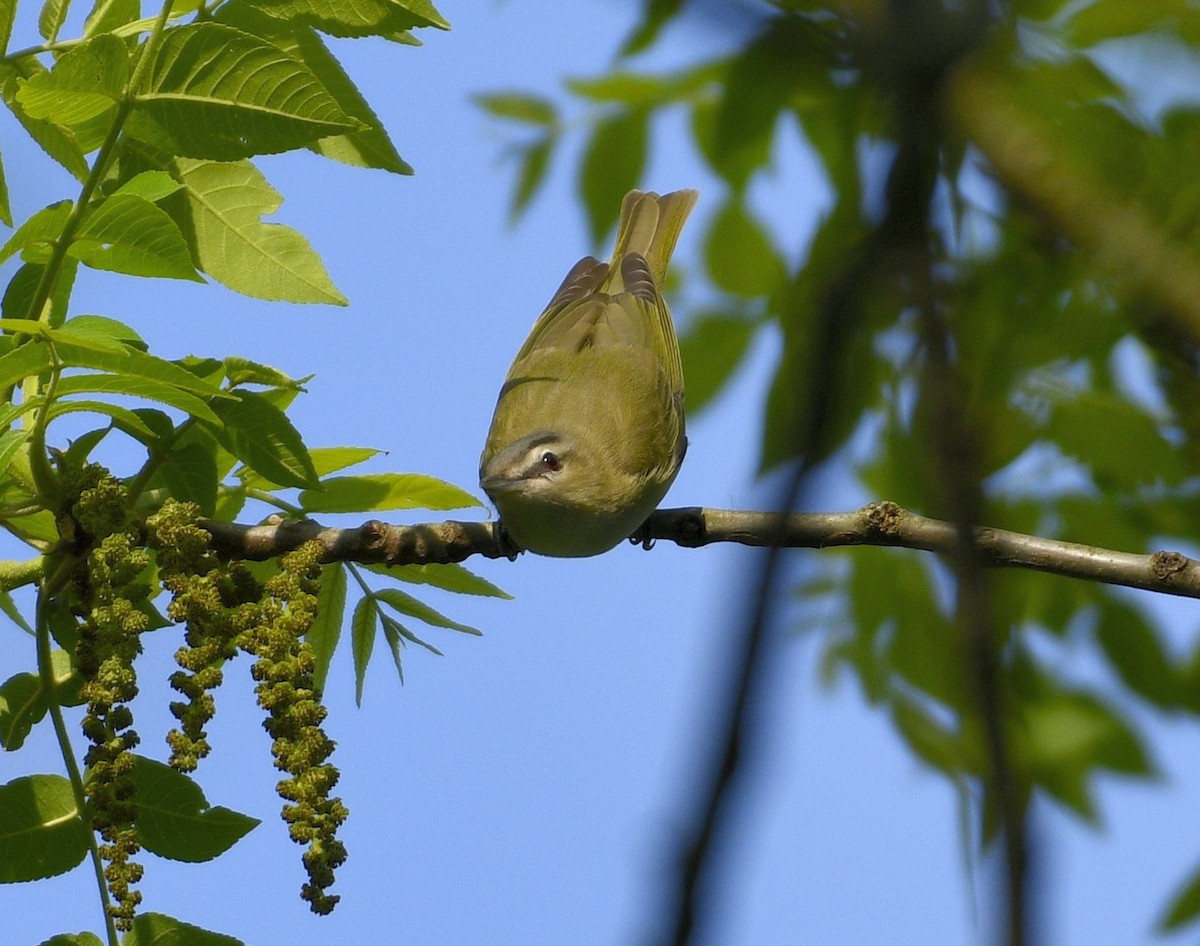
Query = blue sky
x=528 y=787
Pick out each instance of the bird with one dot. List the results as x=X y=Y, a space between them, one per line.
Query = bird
x=588 y=432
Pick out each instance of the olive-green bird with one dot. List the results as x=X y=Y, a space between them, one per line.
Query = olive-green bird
x=588 y=433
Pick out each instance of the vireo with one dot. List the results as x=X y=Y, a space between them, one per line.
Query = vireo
x=588 y=432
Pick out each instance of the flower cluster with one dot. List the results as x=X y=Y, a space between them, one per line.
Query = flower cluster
x=116 y=596
x=206 y=598
x=301 y=747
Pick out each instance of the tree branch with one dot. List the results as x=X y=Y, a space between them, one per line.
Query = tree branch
x=879 y=524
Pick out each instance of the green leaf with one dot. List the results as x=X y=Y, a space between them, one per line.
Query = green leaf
x=108 y=15
x=21 y=708
x=244 y=371
x=57 y=141
x=362 y=641
x=1110 y=19
x=129 y=234
x=1184 y=907
x=149 y=185
x=519 y=107
x=1131 y=645
x=73 y=939
x=372 y=492
x=612 y=165
x=41 y=832
x=449 y=577
x=22 y=288
x=260 y=435
x=123 y=418
x=712 y=349
x=6 y=216
x=740 y=257
x=223 y=206
x=189 y=472
x=391 y=634
x=326 y=628
x=131 y=363
x=352 y=18
x=140 y=387
x=216 y=92
x=408 y=605
x=393 y=628
x=174 y=820
x=8 y=12
x=534 y=162
x=102 y=329
x=86 y=82
x=370 y=147
x=11 y=442
x=22 y=362
x=156 y=929
x=34 y=239
x=52 y=17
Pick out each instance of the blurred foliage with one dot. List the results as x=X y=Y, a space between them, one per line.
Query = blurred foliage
x=1064 y=251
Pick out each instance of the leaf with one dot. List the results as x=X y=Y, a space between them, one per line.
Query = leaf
x=448 y=577
x=372 y=492
x=11 y=442
x=244 y=371
x=534 y=161
x=260 y=435
x=87 y=81
x=73 y=939
x=52 y=17
x=368 y=147
x=222 y=217
x=103 y=329
x=57 y=141
x=1134 y=651
x=129 y=234
x=21 y=708
x=137 y=387
x=189 y=472
x=712 y=349
x=740 y=257
x=352 y=18
x=8 y=12
x=397 y=634
x=408 y=605
x=156 y=929
x=174 y=820
x=362 y=641
x=391 y=634
x=326 y=628
x=1184 y=907
x=35 y=237
x=22 y=362
x=131 y=363
x=1110 y=19
x=216 y=92
x=22 y=288
x=519 y=107
x=6 y=216
x=612 y=165
x=108 y=15
x=41 y=832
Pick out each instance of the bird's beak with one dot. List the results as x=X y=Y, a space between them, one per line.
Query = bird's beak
x=500 y=483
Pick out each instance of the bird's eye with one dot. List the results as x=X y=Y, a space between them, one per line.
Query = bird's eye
x=550 y=461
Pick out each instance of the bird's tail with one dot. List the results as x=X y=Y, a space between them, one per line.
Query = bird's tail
x=650 y=224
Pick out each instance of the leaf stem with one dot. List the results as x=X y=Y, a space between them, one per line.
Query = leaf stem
x=46 y=675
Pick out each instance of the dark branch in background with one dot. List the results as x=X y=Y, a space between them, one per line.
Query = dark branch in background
x=882 y=524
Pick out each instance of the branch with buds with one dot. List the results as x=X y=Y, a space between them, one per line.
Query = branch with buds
x=879 y=524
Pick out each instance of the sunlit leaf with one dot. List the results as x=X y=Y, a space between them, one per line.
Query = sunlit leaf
x=41 y=831
x=373 y=492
